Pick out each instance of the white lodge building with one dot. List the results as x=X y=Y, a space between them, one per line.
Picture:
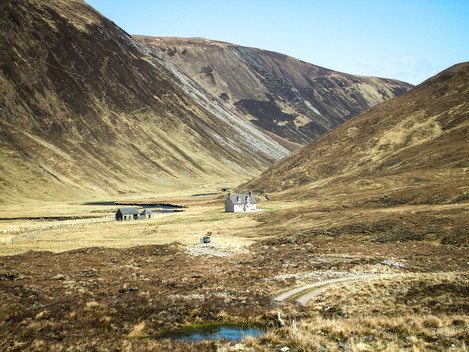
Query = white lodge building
x=240 y=202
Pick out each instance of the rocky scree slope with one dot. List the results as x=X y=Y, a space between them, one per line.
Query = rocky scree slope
x=292 y=100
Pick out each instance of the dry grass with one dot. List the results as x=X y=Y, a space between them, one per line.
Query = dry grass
x=204 y=214
x=410 y=150
x=406 y=311
x=404 y=333
x=412 y=312
x=141 y=290
x=336 y=214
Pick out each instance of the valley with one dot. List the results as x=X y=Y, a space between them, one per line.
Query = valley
x=88 y=110
x=357 y=238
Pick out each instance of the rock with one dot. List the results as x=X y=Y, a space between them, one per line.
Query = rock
x=70 y=283
x=89 y=272
x=392 y=264
x=285 y=349
x=126 y=289
x=58 y=277
x=239 y=347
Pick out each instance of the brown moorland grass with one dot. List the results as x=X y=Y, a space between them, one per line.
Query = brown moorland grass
x=410 y=312
x=99 y=229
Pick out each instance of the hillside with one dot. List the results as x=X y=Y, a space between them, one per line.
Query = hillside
x=86 y=111
x=410 y=150
x=292 y=100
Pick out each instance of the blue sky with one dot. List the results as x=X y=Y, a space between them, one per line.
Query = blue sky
x=409 y=40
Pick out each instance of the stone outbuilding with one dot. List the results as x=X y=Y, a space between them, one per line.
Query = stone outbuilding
x=127 y=214
x=132 y=214
x=240 y=202
x=146 y=214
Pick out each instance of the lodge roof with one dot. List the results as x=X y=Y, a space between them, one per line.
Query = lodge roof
x=240 y=199
x=128 y=211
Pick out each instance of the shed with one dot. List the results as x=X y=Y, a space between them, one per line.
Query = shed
x=127 y=214
x=240 y=202
x=146 y=214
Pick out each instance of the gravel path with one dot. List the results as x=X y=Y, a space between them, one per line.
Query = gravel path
x=312 y=290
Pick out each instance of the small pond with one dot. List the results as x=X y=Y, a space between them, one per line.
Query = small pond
x=51 y=218
x=212 y=332
x=204 y=194
x=163 y=208
x=155 y=207
x=111 y=202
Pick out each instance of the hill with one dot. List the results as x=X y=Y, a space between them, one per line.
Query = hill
x=292 y=100
x=87 y=111
x=414 y=146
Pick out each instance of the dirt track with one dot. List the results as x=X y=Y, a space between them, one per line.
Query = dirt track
x=318 y=288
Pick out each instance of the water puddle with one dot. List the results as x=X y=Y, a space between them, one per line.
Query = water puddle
x=212 y=332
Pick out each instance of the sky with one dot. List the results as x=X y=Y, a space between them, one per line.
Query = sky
x=409 y=40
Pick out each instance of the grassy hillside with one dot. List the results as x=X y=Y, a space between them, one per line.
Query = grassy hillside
x=85 y=111
x=412 y=148
x=397 y=172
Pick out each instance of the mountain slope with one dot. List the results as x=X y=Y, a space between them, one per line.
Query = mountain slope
x=292 y=100
x=84 y=110
x=409 y=150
